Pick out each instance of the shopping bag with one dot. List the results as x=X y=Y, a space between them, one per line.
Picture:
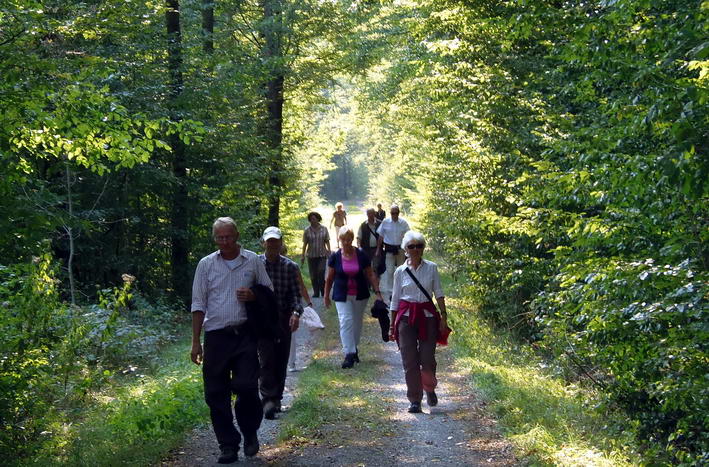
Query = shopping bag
x=311 y=319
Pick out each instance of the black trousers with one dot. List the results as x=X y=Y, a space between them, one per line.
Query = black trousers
x=317 y=267
x=273 y=356
x=231 y=366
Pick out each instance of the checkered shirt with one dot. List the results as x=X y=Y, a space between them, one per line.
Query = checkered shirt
x=284 y=275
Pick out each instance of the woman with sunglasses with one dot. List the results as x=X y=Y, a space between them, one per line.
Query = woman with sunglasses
x=416 y=323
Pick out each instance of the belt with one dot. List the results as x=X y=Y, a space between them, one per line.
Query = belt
x=234 y=329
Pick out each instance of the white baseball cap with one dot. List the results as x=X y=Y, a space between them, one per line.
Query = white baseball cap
x=271 y=232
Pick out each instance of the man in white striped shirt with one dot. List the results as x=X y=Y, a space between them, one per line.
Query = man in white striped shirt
x=222 y=284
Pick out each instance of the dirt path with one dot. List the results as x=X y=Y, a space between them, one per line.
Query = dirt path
x=456 y=432
x=201 y=448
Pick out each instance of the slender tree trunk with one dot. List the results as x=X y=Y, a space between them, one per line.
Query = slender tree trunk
x=179 y=237
x=273 y=131
x=70 y=232
x=208 y=26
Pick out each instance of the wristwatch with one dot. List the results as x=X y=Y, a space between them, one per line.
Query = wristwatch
x=295 y=313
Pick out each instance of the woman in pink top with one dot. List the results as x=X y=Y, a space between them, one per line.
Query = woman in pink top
x=349 y=275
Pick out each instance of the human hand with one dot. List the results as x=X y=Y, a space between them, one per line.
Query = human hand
x=391 y=333
x=196 y=353
x=327 y=301
x=244 y=294
x=443 y=324
x=294 y=323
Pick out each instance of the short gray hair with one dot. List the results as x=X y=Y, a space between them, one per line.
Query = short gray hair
x=412 y=236
x=224 y=221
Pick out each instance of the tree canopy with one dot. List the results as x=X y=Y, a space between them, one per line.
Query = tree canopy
x=555 y=153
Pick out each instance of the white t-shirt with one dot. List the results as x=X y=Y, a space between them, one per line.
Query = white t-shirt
x=393 y=232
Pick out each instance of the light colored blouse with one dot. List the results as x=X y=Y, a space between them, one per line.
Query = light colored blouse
x=405 y=288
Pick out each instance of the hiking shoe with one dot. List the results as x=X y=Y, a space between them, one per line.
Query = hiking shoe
x=269 y=410
x=251 y=445
x=349 y=361
x=415 y=407
x=228 y=455
x=431 y=398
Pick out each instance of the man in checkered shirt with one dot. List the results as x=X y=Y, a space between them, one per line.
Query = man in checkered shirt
x=273 y=353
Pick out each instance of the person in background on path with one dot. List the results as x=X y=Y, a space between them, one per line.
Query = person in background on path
x=416 y=324
x=349 y=275
x=316 y=240
x=381 y=214
x=273 y=353
x=391 y=231
x=367 y=237
x=339 y=217
x=222 y=285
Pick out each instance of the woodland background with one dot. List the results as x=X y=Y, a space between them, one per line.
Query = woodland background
x=555 y=153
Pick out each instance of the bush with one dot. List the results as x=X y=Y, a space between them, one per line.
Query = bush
x=53 y=355
x=641 y=332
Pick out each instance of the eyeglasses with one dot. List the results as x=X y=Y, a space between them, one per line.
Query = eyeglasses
x=418 y=246
x=224 y=238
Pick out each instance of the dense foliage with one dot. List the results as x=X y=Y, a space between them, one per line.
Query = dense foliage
x=126 y=128
x=568 y=141
x=556 y=151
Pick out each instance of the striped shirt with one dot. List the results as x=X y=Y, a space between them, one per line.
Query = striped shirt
x=315 y=239
x=215 y=284
x=405 y=288
x=284 y=275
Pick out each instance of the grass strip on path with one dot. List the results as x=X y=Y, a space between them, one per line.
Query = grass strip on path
x=335 y=403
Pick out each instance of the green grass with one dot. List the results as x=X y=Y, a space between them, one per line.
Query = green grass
x=136 y=421
x=549 y=420
x=333 y=403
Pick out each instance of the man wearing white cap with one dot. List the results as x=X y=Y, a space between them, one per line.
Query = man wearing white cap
x=273 y=353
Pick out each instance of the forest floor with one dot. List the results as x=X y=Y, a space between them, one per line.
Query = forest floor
x=459 y=431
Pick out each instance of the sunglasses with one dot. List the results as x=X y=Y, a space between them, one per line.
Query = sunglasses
x=418 y=246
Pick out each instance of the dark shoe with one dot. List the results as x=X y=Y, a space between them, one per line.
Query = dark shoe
x=349 y=361
x=431 y=399
x=228 y=455
x=251 y=445
x=415 y=407
x=356 y=356
x=269 y=410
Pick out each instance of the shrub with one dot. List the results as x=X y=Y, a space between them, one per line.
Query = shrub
x=641 y=332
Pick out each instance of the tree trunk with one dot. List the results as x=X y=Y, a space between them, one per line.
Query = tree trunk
x=273 y=131
x=70 y=233
x=208 y=26
x=179 y=238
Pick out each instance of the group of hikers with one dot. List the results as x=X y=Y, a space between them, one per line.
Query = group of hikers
x=249 y=306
